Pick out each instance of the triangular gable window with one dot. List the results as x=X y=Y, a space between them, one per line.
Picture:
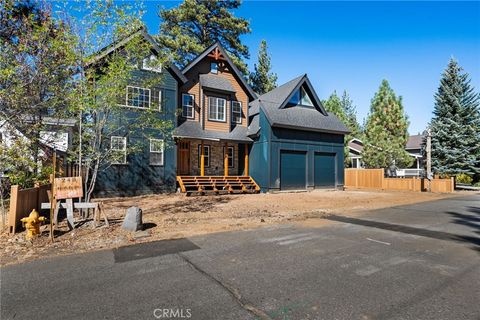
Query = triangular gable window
x=300 y=97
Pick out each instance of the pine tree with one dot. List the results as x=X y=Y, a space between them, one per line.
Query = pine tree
x=350 y=112
x=262 y=79
x=455 y=126
x=194 y=25
x=334 y=105
x=344 y=109
x=386 y=131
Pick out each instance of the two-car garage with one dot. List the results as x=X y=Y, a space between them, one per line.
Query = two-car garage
x=298 y=173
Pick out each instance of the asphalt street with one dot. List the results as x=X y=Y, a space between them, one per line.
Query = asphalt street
x=419 y=261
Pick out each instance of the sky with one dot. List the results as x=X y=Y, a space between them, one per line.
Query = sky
x=352 y=46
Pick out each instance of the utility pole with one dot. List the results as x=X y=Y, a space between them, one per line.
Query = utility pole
x=429 y=159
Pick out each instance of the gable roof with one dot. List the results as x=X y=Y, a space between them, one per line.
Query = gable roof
x=237 y=72
x=356 y=145
x=102 y=53
x=414 y=142
x=304 y=118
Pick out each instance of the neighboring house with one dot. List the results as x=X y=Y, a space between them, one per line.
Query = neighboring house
x=153 y=168
x=355 y=148
x=413 y=147
x=56 y=136
x=297 y=144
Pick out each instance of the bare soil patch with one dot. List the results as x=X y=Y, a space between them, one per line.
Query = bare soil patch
x=177 y=216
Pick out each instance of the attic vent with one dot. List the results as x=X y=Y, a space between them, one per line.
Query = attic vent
x=301 y=97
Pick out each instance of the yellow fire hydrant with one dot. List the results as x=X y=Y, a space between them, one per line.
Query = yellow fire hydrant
x=32 y=224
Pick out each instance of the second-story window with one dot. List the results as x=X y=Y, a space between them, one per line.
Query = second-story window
x=187 y=105
x=216 y=109
x=214 y=67
x=138 y=97
x=236 y=112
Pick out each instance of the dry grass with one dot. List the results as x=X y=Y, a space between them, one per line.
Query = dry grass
x=176 y=216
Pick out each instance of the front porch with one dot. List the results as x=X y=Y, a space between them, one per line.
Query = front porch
x=215 y=166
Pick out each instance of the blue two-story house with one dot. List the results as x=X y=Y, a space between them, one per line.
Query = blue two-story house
x=151 y=166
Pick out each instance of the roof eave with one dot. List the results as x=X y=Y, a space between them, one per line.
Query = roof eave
x=287 y=126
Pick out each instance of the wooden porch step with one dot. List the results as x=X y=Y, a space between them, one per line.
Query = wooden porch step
x=217 y=184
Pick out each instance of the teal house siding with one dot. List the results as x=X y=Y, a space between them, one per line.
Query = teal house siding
x=138 y=176
x=297 y=144
x=265 y=153
x=259 y=157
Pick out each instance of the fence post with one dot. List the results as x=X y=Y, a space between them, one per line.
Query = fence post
x=13 y=209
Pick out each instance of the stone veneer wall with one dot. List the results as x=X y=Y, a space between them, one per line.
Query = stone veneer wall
x=216 y=158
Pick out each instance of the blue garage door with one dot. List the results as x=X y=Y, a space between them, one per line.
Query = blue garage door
x=293 y=170
x=325 y=172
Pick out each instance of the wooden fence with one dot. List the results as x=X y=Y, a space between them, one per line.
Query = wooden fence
x=364 y=179
x=375 y=179
x=22 y=202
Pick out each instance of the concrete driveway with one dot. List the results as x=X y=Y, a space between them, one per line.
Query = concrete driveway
x=412 y=262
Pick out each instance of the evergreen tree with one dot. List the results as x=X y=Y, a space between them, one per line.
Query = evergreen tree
x=194 y=25
x=37 y=56
x=386 y=131
x=262 y=79
x=344 y=109
x=455 y=126
x=334 y=105
x=350 y=112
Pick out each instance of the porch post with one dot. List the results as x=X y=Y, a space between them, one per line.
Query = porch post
x=202 y=159
x=225 y=160
x=418 y=164
x=246 y=159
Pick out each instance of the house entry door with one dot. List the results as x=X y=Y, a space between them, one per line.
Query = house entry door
x=183 y=158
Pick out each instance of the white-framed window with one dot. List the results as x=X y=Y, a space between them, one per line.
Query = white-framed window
x=160 y=100
x=216 y=109
x=118 y=145
x=236 y=111
x=214 y=67
x=156 y=152
x=231 y=153
x=206 y=155
x=187 y=105
x=138 y=97
x=151 y=64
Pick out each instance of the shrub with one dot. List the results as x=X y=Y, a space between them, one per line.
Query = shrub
x=464 y=178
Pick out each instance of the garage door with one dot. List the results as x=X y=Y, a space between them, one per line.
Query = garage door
x=293 y=170
x=325 y=172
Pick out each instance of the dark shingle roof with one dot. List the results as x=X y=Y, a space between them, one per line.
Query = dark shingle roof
x=254 y=126
x=414 y=142
x=192 y=129
x=101 y=54
x=212 y=81
x=298 y=117
x=354 y=144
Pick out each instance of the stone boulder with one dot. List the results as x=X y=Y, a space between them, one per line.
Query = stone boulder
x=133 y=219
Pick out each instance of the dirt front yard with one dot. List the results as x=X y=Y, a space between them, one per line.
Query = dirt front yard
x=177 y=216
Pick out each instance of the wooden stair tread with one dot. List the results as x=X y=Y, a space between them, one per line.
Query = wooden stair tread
x=217 y=184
